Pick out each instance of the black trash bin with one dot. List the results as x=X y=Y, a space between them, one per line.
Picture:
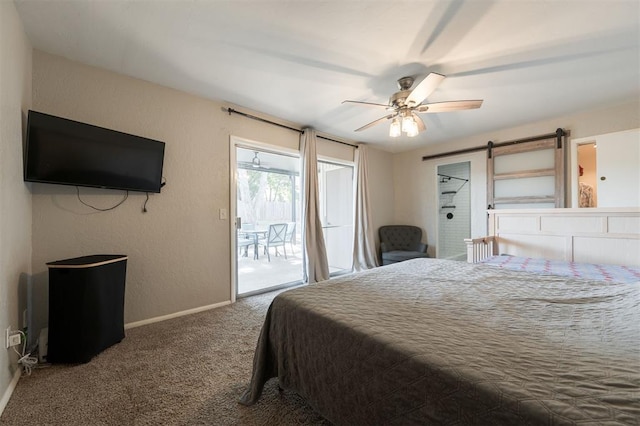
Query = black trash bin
x=86 y=306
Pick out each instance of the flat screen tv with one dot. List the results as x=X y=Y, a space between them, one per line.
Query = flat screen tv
x=67 y=152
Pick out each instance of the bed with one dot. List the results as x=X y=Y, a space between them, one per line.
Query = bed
x=431 y=341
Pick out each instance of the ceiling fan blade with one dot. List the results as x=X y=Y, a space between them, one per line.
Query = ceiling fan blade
x=373 y=123
x=449 y=106
x=424 y=89
x=367 y=103
x=419 y=122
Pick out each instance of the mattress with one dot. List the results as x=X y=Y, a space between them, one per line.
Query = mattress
x=431 y=341
x=602 y=272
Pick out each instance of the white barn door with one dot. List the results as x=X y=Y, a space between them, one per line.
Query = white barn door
x=618 y=169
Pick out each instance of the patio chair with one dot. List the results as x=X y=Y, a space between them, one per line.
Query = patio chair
x=290 y=236
x=275 y=238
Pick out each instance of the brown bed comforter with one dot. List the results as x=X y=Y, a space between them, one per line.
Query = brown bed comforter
x=441 y=342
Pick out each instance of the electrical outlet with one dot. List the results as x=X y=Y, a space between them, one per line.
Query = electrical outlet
x=14 y=339
x=11 y=339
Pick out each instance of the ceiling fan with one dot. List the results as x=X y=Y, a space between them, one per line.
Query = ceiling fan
x=255 y=163
x=406 y=104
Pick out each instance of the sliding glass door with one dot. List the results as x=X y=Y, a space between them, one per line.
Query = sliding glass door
x=267 y=232
x=335 y=183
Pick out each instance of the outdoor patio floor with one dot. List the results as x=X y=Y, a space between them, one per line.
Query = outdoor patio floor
x=261 y=274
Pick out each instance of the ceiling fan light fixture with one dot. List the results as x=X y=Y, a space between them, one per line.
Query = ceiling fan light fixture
x=407 y=103
x=413 y=129
x=395 y=128
x=407 y=123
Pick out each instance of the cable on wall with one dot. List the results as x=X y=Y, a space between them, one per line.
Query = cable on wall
x=126 y=195
x=144 y=206
x=27 y=361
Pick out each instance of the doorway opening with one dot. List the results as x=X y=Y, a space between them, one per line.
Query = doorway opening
x=587 y=175
x=267 y=232
x=454 y=210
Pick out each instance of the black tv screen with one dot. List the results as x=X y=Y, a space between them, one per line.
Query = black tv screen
x=68 y=152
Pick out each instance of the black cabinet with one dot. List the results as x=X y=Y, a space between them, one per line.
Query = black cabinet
x=86 y=306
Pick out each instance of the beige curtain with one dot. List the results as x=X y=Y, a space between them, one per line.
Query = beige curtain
x=364 y=243
x=316 y=266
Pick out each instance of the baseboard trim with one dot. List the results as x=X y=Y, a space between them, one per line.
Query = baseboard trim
x=9 y=391
x=176 y=315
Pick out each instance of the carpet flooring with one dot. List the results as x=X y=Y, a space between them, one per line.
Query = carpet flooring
x=184 y=371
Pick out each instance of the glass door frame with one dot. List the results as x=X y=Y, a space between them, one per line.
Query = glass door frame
x=352 y=166
x=234 y=143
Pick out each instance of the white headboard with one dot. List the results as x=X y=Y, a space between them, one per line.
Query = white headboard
x=587 y=235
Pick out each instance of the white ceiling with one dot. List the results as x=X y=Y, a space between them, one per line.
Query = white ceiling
x=298 y=60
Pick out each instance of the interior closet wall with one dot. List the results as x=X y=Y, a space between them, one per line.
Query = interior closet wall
x=454 y=210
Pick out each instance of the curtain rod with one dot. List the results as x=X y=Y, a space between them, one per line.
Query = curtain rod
x=264 y=120
x=557 y=134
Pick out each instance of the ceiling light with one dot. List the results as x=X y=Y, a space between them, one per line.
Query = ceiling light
x=407 y=123
x=394 y=130
x=413 y=129
x=256 y=161
x=404 y=122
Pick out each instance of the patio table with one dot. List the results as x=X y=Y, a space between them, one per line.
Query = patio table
x=255 y=234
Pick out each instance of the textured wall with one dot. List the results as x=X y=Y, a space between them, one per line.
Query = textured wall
x=381 y=194
x=178 y=256
x=179 y=252
x=15 y=199
x=416 y=187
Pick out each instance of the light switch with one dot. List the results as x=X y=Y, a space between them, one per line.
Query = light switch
x=223 y=214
